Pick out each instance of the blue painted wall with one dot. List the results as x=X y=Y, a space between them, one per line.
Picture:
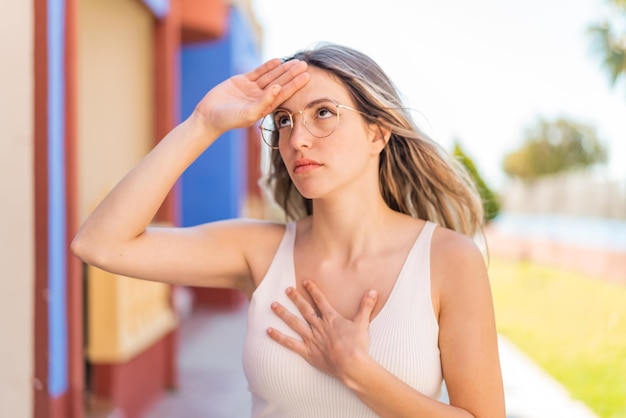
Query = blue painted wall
x=57 y=251
x=214 y=186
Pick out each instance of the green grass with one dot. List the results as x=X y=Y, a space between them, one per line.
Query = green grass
x=573 y=326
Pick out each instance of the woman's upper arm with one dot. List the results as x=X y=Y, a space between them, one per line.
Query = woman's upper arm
x=216 y=254
x=467 y=331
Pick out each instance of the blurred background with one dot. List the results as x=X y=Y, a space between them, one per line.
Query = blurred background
x=530 y=97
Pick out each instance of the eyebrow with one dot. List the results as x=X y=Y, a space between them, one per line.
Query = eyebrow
x=316 y=101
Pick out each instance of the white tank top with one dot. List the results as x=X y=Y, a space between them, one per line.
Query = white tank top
x=403 y=339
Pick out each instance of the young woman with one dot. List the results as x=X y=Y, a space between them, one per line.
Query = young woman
x=373 y=292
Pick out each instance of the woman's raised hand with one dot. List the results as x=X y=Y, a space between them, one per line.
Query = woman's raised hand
x=243 y=99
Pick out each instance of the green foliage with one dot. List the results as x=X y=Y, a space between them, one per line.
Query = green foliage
x=552 y=147
x=491 y=205
x=609 y=38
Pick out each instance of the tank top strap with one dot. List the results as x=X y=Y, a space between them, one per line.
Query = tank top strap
x=281 y=271
x=416 y=272
x=427 y=231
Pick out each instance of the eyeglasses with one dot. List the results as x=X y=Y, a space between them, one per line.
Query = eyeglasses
x=320 y=118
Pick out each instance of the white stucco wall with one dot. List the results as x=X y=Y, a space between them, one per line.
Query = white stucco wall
x=16 y=208
x=578 y=193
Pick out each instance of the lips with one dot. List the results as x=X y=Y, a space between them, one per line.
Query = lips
x=304 y=165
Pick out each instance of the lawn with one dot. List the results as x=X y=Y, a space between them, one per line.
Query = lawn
x=573 y=326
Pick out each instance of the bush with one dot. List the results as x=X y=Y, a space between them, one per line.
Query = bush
x=491 y=203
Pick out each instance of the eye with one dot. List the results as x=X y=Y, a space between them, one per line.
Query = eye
x=282 y=120
x=325 y=111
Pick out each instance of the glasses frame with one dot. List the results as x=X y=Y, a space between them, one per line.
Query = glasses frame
x=301 y=112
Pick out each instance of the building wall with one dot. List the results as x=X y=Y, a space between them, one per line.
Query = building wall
x=115 y=94
x=572 y=220
x=215 y=186
x=111 y=85
x=16 y=210
x=574 y=194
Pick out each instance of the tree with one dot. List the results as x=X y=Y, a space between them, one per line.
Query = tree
x=552 y=147
x=491 y=205
x=609 y=37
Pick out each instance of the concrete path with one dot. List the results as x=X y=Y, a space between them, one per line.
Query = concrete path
x=212 y=383
x=531 y=393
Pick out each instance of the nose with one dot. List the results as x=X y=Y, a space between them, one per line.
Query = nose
x=300 y=136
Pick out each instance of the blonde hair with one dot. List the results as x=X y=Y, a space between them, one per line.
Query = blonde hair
x=416 y=176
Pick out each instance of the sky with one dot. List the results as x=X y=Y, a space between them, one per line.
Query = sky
x=479 y=71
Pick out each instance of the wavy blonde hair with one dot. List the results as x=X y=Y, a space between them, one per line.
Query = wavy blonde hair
x=416 y=176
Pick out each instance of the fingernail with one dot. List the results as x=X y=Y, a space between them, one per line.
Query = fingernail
x=289 y=290
x=372 y=294
x=274 y=305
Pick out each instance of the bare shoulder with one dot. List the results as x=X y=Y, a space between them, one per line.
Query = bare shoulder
x=467 y=330
x=452 y=250
x=457 y=265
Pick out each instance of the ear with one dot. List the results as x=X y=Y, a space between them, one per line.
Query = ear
x=380 y=135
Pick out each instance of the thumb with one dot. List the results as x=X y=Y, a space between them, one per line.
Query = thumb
x=368 y=303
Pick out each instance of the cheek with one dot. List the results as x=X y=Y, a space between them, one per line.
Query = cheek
x=354 y=146
x=284 y=159
x=349 y=159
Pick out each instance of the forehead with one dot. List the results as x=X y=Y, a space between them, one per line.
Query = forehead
x=322 y=84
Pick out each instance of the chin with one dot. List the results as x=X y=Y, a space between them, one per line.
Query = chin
x=308 y=191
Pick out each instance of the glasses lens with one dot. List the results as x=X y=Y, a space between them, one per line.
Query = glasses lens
x=269 y=133
x=276 y=127
x=321 y=118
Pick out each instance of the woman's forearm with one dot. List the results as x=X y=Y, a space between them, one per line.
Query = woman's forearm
x=116 y=228
x=389 y=396
x=129 y=208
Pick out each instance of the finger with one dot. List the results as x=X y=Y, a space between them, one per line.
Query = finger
x=263 y=69
x=264 y=106
x=279 y=93
x=306 y=309
x=282 y=74
x=292 y=321
x=323 y=305
x=268 y=101
x=273 y=74
x=292 y=69
x=291 y=343
x=368 y=303
x=282 y=93
x=292 y=86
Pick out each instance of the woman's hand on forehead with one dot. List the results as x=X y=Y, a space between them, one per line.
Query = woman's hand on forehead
x=243 y=99
x=285 y=77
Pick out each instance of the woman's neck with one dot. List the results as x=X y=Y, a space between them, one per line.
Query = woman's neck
x=348 y=228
